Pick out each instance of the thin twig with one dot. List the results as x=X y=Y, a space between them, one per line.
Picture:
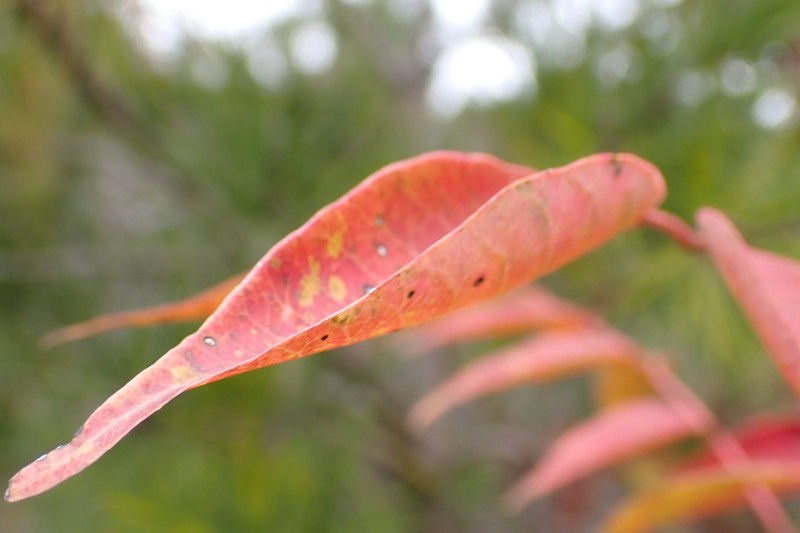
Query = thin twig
x=112 y=106
x=404 y=458
x=51 y=30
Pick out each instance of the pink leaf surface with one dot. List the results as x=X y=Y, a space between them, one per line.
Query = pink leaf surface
x=526 y=309
x=767 y=287
x=415 y=241
x=545 y=357
x=614 y=435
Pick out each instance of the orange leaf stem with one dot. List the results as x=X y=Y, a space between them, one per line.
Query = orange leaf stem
x=675 y=228
x=197 y=307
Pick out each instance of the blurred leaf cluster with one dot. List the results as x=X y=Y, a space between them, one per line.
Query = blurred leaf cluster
x=129 y=177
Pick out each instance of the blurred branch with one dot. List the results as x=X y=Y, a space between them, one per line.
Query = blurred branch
x=403 y=460
x=104 y=100
x=42 y=19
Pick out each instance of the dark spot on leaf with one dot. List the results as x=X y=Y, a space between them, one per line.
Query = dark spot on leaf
x=478 y=281
x=411 y=294
x=189 y=357
x=345 y=317
x=324 y=337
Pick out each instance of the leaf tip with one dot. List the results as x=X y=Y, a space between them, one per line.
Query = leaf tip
x=13 y=492
x=706 y=212
x=430 y=409
x=420 y=419
x=17 y=488
x=711 y=221
x=516 y=499
x=50 y=340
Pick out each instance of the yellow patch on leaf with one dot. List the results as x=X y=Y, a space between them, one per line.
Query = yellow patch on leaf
x=337 y=289
x=344 y=318
x=383 y=330
x=310 y=284
x=85 y=448
x=335 y=244
x=182 y=373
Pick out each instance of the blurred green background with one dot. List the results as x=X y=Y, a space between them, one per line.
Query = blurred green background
x=144 y=157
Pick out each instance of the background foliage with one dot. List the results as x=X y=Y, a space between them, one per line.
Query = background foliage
x=129 y=178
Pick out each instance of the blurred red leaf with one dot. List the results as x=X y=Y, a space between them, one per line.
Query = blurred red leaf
x=415 y=241
x=547 y=356
x=614 y=435
x=523 y=310
x=763 y=439
x=690 y=496
x=197 y=307
x=766 y=285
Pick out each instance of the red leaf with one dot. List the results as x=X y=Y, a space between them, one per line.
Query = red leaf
x=415 y=241
x=614 y=435
x=548 y=356
x=692 y=495
x=194 y=308
x=762 y=439
x=527 y=309
x=767 y=286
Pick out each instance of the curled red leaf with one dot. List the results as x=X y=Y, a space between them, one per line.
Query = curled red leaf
x=413 y=242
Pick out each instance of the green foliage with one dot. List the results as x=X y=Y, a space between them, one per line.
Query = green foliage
x=139 y=184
